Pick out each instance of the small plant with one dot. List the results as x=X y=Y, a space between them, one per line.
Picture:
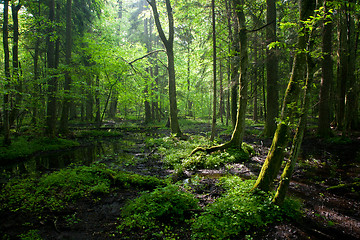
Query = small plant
x=31 y=235
x=158 y=210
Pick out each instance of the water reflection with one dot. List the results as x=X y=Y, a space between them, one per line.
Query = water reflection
x=81 y=155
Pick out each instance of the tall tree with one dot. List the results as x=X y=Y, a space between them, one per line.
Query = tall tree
x=326 y=76
x=272 y=100
x=213 y=126
x=64 y=121
x=51 y=65
x=239 y=130
x=7 y=140
x=169 y=46
x=15 y=62
x=290 y=107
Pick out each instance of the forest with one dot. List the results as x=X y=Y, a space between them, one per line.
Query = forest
x=179 y=119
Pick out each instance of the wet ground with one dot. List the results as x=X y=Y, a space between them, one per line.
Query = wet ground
x=328 y=213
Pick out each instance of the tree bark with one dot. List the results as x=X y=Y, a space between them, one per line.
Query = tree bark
x=272 y=100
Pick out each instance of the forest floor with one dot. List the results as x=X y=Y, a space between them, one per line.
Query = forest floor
x=325 y=180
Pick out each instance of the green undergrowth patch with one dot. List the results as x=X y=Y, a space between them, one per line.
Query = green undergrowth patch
x=25 y=145
x=155 y=215
x=175 y=153
x=54 y=191
x=240 y=211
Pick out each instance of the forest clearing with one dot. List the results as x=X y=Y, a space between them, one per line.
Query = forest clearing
x=179 y=119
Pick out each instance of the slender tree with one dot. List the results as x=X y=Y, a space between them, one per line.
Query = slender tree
x=52 y=82
x=15 y=8
x=169 y=46
x=213 y=126
x=64 y=121
x=7 y=140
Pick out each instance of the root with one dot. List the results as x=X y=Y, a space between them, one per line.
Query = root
x=212 y=149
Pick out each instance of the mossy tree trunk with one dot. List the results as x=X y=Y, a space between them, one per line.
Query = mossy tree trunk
x=290 y=107
x=299 y=134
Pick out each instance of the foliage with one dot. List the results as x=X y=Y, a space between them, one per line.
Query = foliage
x=25 y=146
x=165 y=206
x=54 y=191
x=239 y=211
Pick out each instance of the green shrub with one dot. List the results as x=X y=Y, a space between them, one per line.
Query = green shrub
x=168 y=205
x=237 y=212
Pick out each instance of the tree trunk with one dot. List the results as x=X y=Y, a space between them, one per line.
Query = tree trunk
x=213 y=125
x=169 y=46
x=342 y=68
x=297 y=140
x=326 y=78
x=97 y=103
x=289 y=112
x=52 y=82
x=238 y=133
x=7 y=140
x=352 y=92
x=272 y=100
x=16 y=73
x=64 y=122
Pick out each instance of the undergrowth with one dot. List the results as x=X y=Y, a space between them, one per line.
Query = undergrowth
x=175 y=153
x=240 y=211
x=54 y=191
x=155 y=214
